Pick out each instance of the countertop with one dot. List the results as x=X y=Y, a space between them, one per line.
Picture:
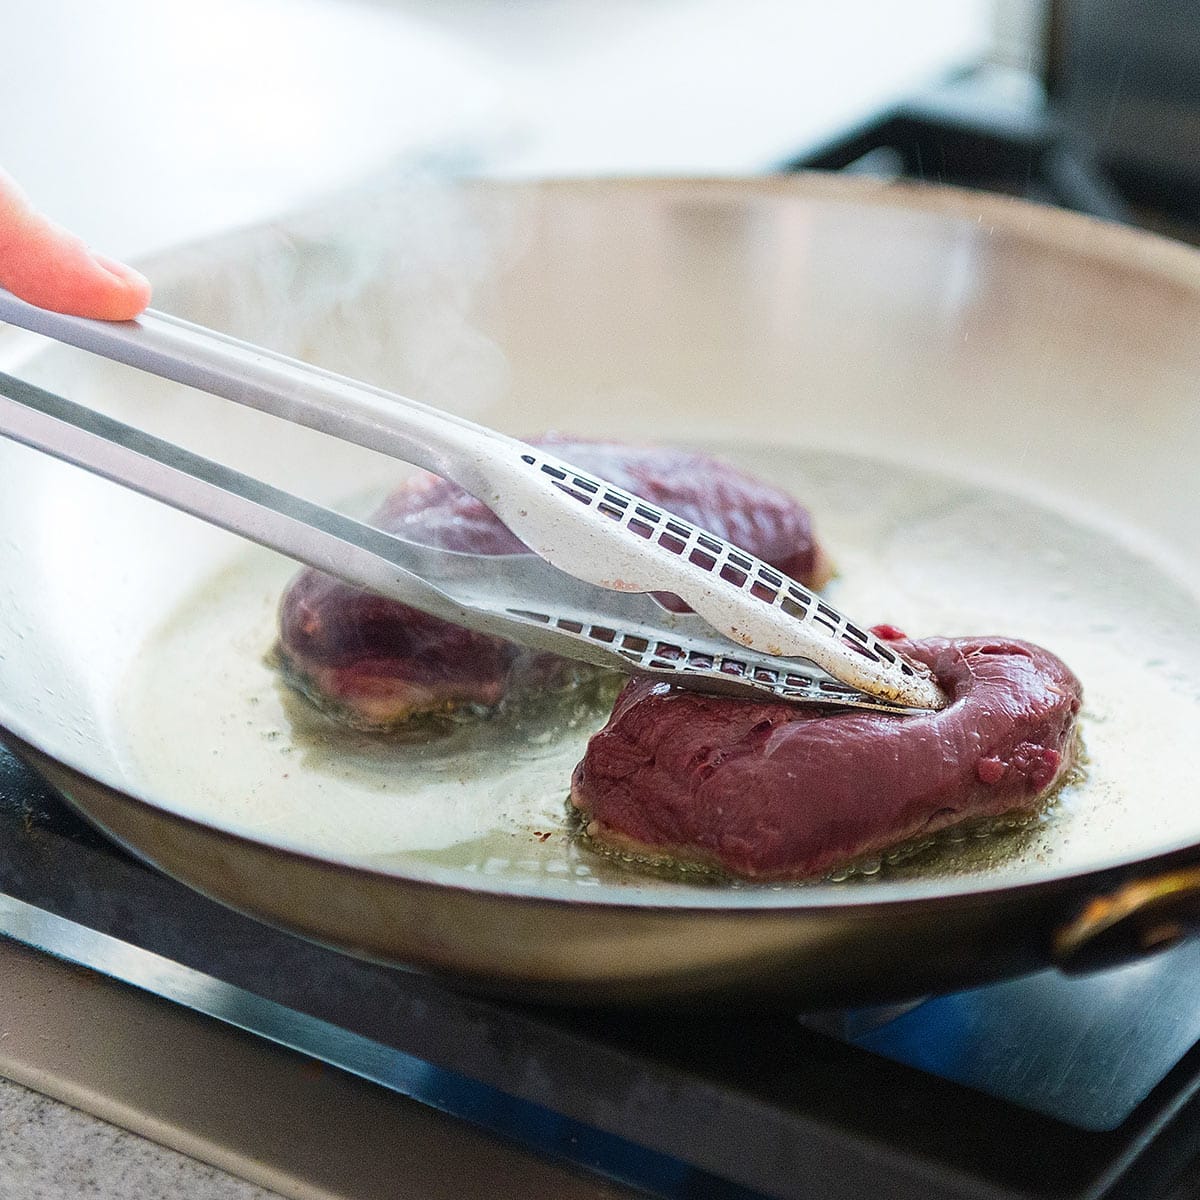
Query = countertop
x=49 y=1151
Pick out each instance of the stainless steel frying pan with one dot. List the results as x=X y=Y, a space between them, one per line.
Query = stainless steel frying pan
x=1041 y=360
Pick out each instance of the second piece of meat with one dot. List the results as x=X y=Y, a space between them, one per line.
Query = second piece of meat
x=768 y=790
x=376 y=662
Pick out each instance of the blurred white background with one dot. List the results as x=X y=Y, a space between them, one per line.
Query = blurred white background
x=142 y=123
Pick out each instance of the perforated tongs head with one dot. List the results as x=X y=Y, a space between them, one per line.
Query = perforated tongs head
x=598 y=550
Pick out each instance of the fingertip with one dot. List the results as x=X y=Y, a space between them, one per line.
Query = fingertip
x=132 y=294
x=53 y=269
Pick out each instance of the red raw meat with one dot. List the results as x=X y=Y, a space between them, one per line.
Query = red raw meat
x=377 y=662
x=778 y=791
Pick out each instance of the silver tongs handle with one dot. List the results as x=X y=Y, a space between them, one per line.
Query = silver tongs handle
x=580 y=524
x=492 y=595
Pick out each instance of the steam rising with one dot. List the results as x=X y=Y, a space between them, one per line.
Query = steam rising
x=400 y=267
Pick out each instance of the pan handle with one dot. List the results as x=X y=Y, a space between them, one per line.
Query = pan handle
x=1137 y=918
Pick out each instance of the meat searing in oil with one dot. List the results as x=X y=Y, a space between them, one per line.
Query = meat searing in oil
x=773 y=791
x=377 y=663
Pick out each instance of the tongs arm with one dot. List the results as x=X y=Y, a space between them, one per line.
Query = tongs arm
x=580 y=524
x=491 y=595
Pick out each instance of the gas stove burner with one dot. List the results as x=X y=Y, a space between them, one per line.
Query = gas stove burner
x=1043 y=1086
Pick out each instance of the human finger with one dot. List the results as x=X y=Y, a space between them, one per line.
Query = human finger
x=50 y=267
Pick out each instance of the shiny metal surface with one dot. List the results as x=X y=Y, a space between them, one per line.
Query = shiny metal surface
x=742 y=290
x=717 y=950
x=241 y=1104
x=581 y=525
x=1140 y=916
x=1086 y=1052
x=1075 y=1050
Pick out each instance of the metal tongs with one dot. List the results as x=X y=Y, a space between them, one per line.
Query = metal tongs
x=597 y=549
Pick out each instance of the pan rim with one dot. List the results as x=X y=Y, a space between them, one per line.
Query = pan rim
x=1091 y=238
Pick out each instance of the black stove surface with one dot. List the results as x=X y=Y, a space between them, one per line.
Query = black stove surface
x=995 y=130
x=1042 y=1087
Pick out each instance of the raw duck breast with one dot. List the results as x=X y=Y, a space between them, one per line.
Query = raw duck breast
x=376 y=663
x=777 y=791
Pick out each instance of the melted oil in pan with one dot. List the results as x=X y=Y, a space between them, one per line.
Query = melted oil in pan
x=212 y=730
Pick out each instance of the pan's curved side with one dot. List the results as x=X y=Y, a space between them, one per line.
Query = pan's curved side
x=559 y=952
